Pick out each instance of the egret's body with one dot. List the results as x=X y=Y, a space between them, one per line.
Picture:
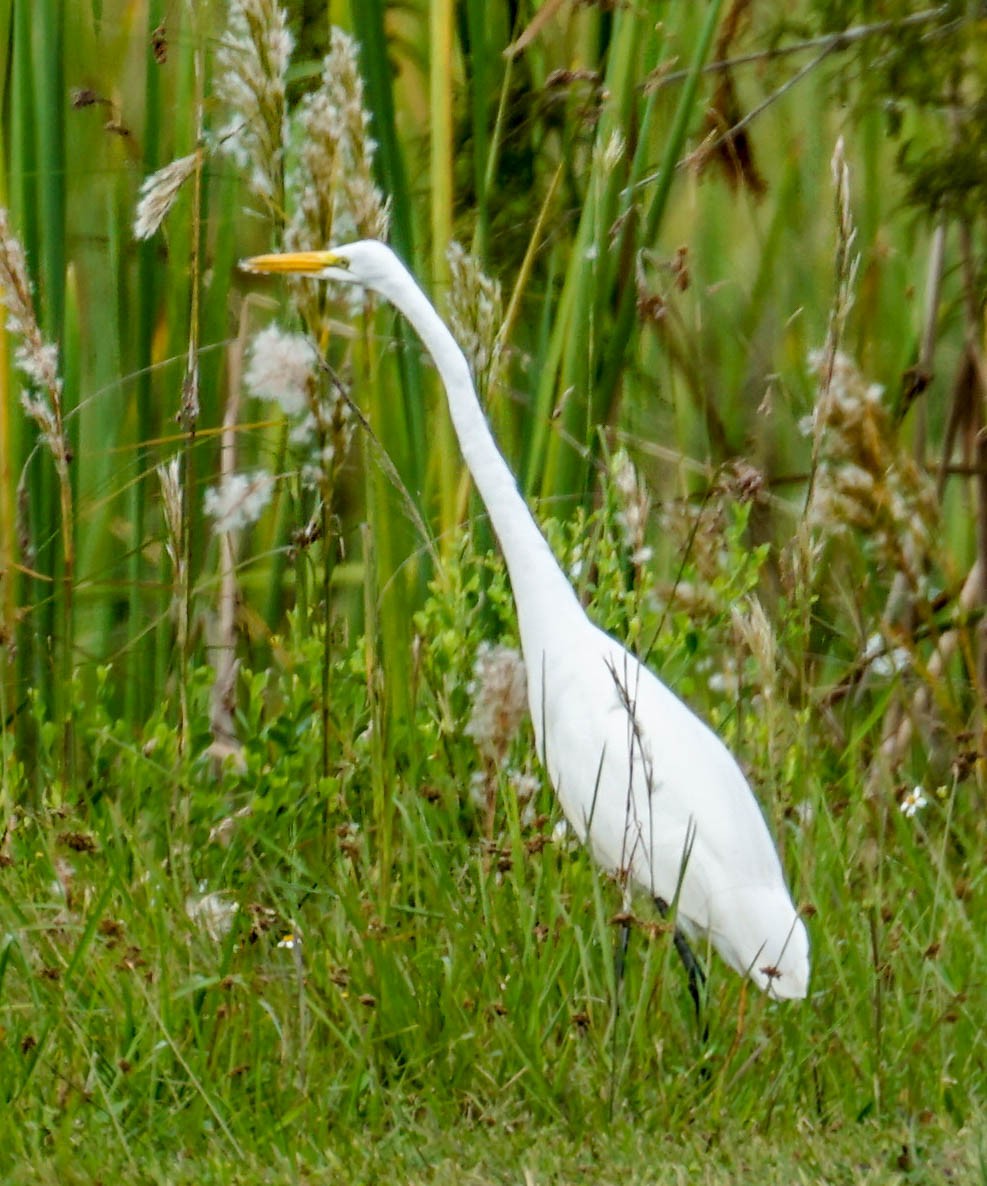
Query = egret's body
x=651 y=789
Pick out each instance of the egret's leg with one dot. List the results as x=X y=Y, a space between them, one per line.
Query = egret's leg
x=693 y=968
x=620 y=958
x=619 y=963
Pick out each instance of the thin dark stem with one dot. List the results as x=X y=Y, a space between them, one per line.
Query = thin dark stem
x=327 y=559
x=619 y=964
x=693 y=969
x=838 y=40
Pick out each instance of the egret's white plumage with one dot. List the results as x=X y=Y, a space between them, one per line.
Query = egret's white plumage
x=651 y=789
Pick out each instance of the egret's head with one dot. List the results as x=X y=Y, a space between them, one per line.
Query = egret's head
x=367 y=263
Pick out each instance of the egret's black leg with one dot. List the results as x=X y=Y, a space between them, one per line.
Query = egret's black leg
x=619 y=962
x=693 y=968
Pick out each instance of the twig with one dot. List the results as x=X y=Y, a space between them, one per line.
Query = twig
x=827 y=41
x=845 y=267
x=710 y=146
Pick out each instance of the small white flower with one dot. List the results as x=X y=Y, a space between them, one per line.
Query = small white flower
x=238 y=500
x=914 y=801
x=289 y=941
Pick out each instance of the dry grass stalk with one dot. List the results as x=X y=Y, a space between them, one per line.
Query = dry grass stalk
x=41 y=398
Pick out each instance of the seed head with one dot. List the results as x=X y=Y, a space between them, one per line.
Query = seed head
x=499 y=691
x=238 y=500
x=158 y=194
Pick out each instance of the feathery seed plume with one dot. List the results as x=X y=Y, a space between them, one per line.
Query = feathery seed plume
x=475 y=314
x=864 y=479
x=158 y=194
x=282 y=368
x=499 y=691
x=252 y=66
x=238 y=500
x=635 y=505
x=335 y=198
x=36 y=359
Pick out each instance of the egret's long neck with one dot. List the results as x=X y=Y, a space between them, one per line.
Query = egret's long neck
x=538 y=582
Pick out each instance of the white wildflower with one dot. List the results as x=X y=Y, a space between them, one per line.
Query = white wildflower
x=238 y=500
x=158 y=194
x=282 y=368
x=913 y=802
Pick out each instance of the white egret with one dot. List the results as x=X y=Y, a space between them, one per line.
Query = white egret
x=642 y=780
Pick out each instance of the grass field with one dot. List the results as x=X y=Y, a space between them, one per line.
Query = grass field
x=284 y=895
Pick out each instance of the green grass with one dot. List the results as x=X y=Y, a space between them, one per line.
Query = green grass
x=464 y=1016
x=448 y=1010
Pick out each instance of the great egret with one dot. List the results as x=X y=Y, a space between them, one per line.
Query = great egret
x=641 y=779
